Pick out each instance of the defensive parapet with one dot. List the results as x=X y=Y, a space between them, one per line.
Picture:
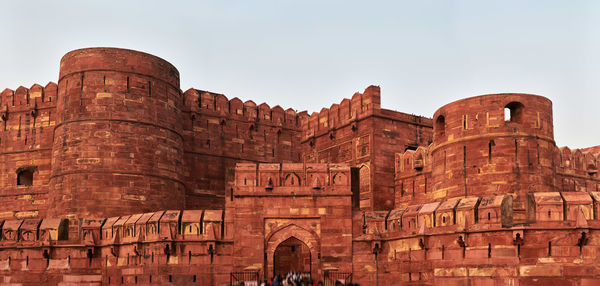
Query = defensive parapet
x=577 y=170
x=27 y=118
x=189 y=242
x=221 y=132
x=475 y=239
x=200 y=102
x=118 y=135
x=349 y=110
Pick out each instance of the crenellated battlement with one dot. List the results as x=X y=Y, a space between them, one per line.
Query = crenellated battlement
x=114 y=175
x=199 y=103
x=36 y=102
x=361 y=105
x=38 y=95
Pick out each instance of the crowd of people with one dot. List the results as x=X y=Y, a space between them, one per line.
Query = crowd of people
x=299 y=279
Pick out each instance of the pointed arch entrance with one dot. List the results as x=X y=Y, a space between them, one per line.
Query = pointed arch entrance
x=279 y=255
x=291 y=255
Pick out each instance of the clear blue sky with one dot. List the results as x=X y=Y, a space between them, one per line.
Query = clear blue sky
x=310 y=54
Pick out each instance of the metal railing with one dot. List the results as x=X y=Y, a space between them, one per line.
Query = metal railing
x=241 y=278
x=331 y=277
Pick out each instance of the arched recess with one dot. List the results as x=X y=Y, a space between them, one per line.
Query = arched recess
x=292 y=179
x=440 y=127
x=340 y=179
x=292 y=255
x=281 y=234
x=365 y=199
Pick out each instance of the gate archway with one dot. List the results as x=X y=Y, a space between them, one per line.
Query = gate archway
x=287 y=236
x=292 y=255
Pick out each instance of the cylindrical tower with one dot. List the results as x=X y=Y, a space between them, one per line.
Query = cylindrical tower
x=493 y=144
x=118 y=137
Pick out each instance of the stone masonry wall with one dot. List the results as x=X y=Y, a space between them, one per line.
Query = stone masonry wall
x=359 y=132
x=219 y=133
x=27 y=122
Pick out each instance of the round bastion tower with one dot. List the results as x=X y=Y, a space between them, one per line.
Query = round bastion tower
x=118 y=137
x=494 y=144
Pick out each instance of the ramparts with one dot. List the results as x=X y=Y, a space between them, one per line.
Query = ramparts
x=116 y=176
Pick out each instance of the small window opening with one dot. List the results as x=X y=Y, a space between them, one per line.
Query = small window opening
x=170 y=278
x=489 y=250
x=194 y=278
x=513 y=112
x=127 y=84
x=25 y=176
x=490 y=144
x=443 y=248
x=549 y=214
x=443 y=219
x=440 y=126
x=489 y=216
x=549 y=248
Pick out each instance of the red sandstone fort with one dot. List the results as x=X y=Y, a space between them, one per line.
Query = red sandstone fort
x=115 y=176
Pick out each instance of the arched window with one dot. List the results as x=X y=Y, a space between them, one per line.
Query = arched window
x=440 y=126
x=513 y=112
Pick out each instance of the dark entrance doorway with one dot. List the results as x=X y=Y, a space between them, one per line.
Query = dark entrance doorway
x=292 y=255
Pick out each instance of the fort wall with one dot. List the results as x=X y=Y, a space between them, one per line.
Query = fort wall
x=359 y=132
x=26 y=128
x=220 y=132
x=116 y=176
x=118 y=135
x=475 y=240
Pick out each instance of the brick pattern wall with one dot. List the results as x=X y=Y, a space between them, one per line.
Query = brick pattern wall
x=359 y=132
x=117 y=137
x=28 y=117
x=219 y=133
x=137 y=182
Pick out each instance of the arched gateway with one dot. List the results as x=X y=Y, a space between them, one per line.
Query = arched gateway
x=292 y=248
x=292 y=255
